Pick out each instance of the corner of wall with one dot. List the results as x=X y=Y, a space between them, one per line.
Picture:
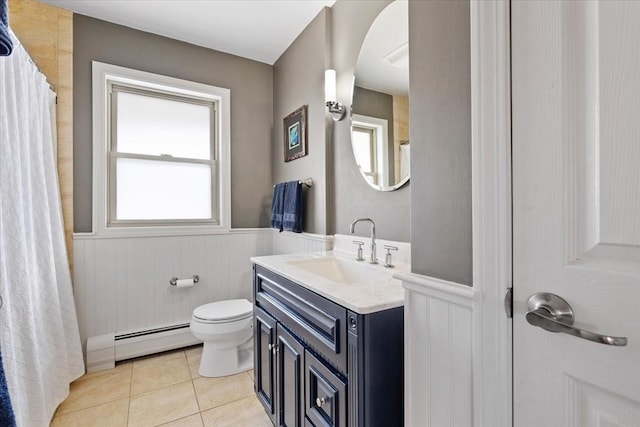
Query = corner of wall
x=441 y=211
x=330 y=214
x=299 y=80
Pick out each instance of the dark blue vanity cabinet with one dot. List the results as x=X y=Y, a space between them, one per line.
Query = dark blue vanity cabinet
x=318 y=364
x=264 y=338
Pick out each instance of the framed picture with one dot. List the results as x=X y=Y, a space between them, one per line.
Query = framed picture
x=295 y=134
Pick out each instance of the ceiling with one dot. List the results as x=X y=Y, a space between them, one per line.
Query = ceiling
x=256 y=29
x=388 y=33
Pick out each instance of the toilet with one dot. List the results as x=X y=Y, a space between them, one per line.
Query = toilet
x=226 y=329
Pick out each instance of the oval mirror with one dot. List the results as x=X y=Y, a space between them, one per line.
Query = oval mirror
x=380 y=104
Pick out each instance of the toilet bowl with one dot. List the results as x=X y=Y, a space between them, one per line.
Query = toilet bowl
x=226 y=329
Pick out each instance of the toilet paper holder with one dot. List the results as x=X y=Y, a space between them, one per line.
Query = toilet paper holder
x=174 y=280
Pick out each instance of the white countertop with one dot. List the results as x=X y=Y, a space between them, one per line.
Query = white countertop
x=365 y=296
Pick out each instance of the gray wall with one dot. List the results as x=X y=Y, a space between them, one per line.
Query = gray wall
x=434 y=213
x=353 y=197
x=251 y=85
x=298 y=79
x=440 y=117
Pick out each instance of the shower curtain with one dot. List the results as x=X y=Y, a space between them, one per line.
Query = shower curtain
x=39 y=334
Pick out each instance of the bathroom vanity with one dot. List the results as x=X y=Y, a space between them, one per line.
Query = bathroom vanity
x=328 y=341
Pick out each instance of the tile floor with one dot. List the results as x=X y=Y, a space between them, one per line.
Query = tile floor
x=161 y=390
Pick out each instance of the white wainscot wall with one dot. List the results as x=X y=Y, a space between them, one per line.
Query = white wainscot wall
x=292 y=243
x=122 y=284
x=438 y=352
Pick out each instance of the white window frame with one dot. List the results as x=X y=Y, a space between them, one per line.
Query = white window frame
x=106 y=74
x=380 y=129
x=373 y=150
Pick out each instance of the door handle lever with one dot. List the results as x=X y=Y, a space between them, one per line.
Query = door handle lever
x=554 y=314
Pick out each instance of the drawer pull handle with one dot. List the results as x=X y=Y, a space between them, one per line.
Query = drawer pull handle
x=320 y=401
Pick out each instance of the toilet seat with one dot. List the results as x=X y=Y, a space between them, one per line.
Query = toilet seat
x=223 y=311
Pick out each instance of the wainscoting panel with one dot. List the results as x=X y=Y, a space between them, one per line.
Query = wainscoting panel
x=438 y=352
x=290 y=243
x=122 y=284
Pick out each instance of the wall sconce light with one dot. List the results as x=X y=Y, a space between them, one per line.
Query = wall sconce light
x=336 y=109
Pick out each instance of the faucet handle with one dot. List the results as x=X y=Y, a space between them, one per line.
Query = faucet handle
x=359 y=243
x=387 y=258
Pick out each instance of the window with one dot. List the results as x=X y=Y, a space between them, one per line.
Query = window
x=161 y=154
x=369 y=139
x=161 y=157
x=364 y=150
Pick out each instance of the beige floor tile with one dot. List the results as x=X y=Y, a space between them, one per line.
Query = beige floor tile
x=250 y=372
x=193 y=358
x=112 y=414
x=213 y=392
x=191 y=421
x=159 y=358
x=194 y=366
x=196 y=350
x=163 y=373
x=120 y=367
x=243 y=412
x=162 y=406
x=85 y=393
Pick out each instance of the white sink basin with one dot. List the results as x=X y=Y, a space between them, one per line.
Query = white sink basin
x=342 y=271
x=356 y=285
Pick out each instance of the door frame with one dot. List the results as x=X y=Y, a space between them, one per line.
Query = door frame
x=491 y=218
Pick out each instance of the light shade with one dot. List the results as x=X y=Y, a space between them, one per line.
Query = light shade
x=336 y=109
x=330 y=85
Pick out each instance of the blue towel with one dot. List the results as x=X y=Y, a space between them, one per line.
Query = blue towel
x=7 y=418
x=277 y=206
x=6 y=45
x=292 y=216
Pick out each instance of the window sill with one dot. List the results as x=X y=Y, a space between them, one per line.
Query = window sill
x=131 y=232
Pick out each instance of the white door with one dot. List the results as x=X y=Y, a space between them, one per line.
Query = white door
x=576 y=208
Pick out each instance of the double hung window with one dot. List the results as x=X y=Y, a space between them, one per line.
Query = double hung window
x=161 y=153
x=162 y=164
x=364 y=149
x=369 y=137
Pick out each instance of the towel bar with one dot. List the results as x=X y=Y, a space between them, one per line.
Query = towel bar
x=306 y=182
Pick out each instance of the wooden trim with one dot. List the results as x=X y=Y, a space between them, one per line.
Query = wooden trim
x=221 y=192
x=491 y=177
x=451 y=292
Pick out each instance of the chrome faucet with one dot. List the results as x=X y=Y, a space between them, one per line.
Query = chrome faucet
x=352 y=228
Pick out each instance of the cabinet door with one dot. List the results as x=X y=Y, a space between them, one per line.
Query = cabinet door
x=290 y=379
x=326 y=395
x=264 y=367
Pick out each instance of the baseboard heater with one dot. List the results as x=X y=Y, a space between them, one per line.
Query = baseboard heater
x=103 y=351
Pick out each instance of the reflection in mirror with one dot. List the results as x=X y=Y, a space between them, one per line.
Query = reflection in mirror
x=380 y=105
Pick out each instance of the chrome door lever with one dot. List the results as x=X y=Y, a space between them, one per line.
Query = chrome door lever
x=554 y=314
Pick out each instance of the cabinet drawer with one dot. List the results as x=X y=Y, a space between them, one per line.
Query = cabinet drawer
x=325 y=401
x=318 y=322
